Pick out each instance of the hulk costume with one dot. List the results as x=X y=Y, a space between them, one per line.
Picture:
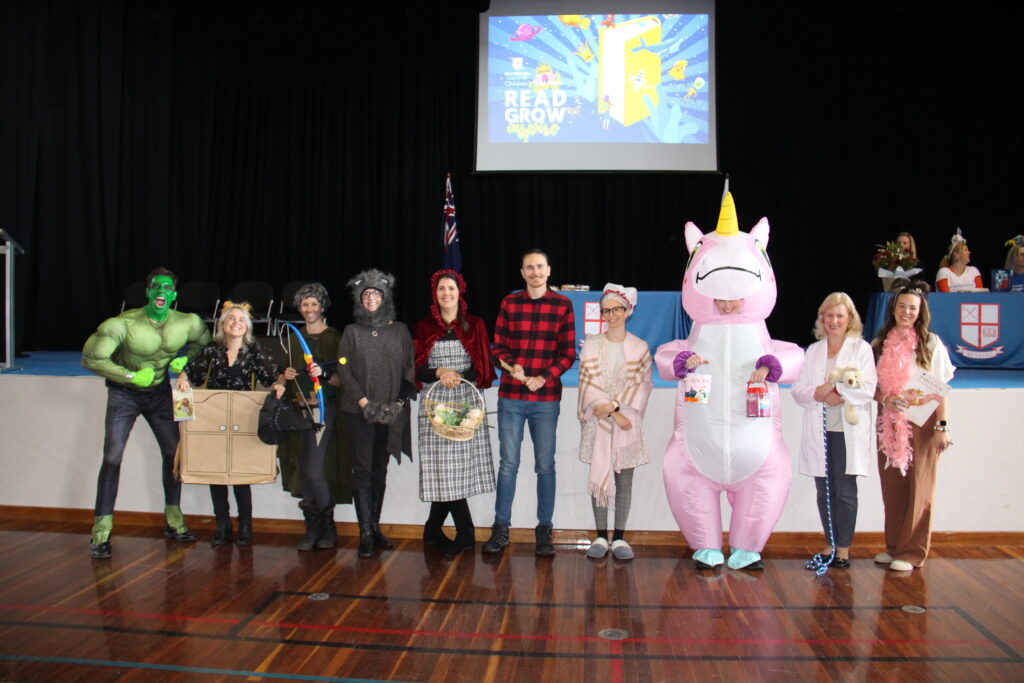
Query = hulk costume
x=133 y=351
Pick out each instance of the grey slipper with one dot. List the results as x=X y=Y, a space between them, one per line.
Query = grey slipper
x=622 y=551
x=598 y=549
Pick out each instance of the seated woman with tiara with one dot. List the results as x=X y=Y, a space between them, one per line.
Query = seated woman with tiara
x=954 y=274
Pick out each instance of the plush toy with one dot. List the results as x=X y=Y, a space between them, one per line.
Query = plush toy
x=852 y=378
x=728 y=290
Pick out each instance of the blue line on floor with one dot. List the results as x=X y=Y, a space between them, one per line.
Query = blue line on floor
x=185 y=669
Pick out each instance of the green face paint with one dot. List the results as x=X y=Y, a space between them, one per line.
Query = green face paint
x=159 y=296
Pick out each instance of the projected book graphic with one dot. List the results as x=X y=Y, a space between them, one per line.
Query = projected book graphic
x=627 y=71
x=598 y=91
x=574 y=78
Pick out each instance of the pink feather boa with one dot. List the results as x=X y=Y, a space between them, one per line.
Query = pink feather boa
x=895 y=367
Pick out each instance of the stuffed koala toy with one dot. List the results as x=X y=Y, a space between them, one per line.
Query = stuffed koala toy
x=851 y=377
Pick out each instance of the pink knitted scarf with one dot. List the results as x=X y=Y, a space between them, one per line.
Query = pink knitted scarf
x=895 y=368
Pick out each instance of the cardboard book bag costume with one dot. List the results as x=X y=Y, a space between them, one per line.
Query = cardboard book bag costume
x=229 y=441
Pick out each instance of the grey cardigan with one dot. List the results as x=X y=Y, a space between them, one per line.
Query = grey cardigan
x=377 y=360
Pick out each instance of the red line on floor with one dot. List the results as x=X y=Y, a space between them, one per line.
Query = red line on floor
x=808 y=641
x=615 y=650
x=414 y=632
x=494 y=636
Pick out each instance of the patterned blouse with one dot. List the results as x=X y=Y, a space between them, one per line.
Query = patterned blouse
x=253 y=360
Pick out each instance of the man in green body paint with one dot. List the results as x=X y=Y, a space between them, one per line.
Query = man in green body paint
x=133 y=352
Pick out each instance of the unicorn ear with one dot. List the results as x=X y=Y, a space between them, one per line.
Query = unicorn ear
x=760 y=232
x=692 y=234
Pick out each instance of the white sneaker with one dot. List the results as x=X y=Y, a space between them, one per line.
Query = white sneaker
x=883 y=558
x=598 y=549
x=621 y=550
x=901 y=566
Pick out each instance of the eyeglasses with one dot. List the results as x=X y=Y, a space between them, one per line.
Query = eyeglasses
x=372 y=294
x=615 y=309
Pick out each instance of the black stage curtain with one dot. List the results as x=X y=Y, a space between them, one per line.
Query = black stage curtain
x=282 y=140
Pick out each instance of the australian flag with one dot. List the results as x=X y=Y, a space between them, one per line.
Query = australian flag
x=450 y=237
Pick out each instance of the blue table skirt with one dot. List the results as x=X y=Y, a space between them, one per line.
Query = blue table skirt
x=980 y=329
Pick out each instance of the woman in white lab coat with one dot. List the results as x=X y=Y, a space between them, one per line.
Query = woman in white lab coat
x=848 y=422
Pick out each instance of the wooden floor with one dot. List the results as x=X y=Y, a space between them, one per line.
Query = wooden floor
x=163 y=611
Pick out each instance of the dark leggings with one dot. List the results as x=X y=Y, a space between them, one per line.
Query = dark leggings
x=221 y=507
x=123 y=406
x=369 y=452
x=315 y=490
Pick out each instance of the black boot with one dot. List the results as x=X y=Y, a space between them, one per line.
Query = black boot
x=310 y=514
x=498 y=540
x=178 y=535
x=364 y=513
x=433 y=534
x=244 y=536
x=328 y=532
x=544 y=547
x=223 y=534
x=379 y=539
x=465 y=532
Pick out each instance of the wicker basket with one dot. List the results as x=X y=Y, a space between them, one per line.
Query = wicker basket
x=453 y=432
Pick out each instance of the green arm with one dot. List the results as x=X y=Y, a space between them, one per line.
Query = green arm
x=98 y=349
x=198 y=338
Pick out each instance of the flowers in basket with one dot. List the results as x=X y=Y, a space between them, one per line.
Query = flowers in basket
x=892 y=261
x=457 y=415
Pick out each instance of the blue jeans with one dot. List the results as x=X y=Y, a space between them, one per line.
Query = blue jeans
x=543 y=419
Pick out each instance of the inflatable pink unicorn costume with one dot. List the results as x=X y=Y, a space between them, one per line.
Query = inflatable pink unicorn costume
x=715 y=447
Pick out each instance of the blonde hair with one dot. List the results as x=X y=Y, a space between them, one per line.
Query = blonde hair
x=913 y=243
x=1011 y=256
x=854 y=329
x=218 y=333
x=953 y=250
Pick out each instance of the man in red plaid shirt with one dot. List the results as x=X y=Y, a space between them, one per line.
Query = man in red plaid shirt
x=535 y=336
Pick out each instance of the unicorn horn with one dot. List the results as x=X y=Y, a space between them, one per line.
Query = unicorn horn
x=728 y=224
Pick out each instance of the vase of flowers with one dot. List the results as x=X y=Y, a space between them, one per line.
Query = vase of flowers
x=893 y=263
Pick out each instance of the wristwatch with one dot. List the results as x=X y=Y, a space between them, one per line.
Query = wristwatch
x=617 y=406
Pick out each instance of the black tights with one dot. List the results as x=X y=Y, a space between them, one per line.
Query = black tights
x=221 y=507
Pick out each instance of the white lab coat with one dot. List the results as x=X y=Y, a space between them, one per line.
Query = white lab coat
x=860 y=438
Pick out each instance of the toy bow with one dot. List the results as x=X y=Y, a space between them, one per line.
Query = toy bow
x=307 y=355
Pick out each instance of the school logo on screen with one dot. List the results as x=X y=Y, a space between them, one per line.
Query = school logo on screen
x=979 y=327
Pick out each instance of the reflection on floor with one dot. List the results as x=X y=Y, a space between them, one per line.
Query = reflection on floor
x=159 y=610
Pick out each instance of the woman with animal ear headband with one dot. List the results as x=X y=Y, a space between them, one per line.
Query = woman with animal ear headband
x=837 y=443
x=233 y=361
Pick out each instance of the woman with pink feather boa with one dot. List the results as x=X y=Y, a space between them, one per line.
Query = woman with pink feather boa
x=908 y=455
